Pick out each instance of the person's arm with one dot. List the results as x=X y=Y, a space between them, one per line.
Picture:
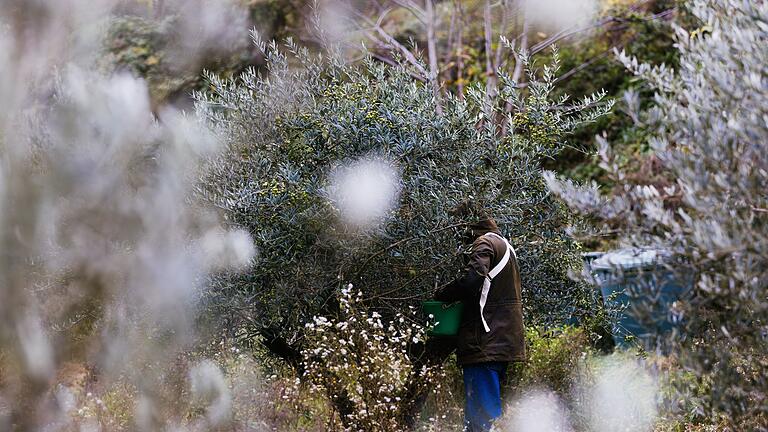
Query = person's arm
x=468 y=286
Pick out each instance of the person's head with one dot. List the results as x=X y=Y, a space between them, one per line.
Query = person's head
x=471 y=209
x=476 y=229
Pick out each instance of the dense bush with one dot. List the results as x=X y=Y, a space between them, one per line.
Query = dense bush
x=711 y=142
x=554 y=359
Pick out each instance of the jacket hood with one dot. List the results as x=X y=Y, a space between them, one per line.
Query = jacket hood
x=480 y=228
x=484 y=226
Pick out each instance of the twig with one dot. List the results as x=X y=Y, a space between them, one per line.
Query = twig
x=490 y=82
x=407 y=54
x=393 y=63
x=450 y=42
x=405 y=240
x=502 y=31
x=584 y=65
x=413 y=8
x=411 y=280
x=605 y=21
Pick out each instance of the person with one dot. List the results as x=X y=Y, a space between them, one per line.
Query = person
x=491 y=332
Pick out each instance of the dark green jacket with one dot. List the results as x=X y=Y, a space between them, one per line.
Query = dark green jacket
x=503 y=310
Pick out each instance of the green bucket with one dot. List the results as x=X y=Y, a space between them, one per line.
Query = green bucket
x=446 y=316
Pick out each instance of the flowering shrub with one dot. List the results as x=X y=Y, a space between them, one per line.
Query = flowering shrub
x=363 y=364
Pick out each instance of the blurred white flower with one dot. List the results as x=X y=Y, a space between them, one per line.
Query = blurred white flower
x=232 y=249
x=364 y=191
x=208 y=385
x=539 y=411
x=623 y=397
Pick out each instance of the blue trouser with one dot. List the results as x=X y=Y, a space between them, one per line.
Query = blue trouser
x=482 y=394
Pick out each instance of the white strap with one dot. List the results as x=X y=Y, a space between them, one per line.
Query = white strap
x=505 y=241
x=492 y=274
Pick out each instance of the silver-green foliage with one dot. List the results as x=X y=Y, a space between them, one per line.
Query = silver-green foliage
x=289 y=129
x=712 y=140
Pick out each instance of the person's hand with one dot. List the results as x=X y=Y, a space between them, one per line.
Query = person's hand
x=439 y=289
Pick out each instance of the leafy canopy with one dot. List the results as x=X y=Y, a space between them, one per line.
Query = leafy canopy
x=289 y=131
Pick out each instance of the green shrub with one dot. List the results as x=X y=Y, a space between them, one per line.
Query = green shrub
x=554 y=358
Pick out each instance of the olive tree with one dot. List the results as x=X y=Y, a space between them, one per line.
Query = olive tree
x=712 y=142
x=310 y=120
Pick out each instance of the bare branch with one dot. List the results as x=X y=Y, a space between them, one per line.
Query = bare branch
x=391 y=62
x=563 y=34
x=601 y=23
x=502 y=31
x=518 y=72
x=488 y=35
x=584 y=65
x=460 y=50
x=451 y=36
x=432 y=53
x=490 y=69
x=391 y=41
x=382 y=16
x=413 y=8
